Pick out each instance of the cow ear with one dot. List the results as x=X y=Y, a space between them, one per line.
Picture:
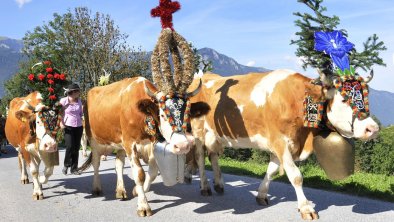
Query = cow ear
x=317 y=92
x=148 y=107
x=22 y=115
x=199 y=109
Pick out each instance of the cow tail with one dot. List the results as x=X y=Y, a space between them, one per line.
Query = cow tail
x=87 y=163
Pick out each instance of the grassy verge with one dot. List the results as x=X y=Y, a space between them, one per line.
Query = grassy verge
x=360 y=184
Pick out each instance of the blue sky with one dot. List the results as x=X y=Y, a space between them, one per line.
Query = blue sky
x=253 y=32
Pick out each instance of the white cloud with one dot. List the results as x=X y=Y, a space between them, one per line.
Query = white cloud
x=22 y=2
x=251 y=63
x=296 y=61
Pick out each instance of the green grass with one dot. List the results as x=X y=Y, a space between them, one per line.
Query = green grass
x=360 y=184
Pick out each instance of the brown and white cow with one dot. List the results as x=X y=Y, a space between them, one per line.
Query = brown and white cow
x=26 y=132
x=115 y=119
x=265 y=111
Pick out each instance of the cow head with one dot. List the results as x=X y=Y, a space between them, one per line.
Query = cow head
x=348 y=106
x=173 y=113
x=172 y=82
x=43 y=123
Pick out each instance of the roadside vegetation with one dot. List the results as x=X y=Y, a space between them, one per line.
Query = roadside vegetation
x=373 y=177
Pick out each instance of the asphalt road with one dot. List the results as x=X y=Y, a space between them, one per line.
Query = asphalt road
x=68 y=198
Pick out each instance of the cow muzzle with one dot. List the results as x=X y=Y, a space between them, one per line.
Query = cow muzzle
x=366 y=129
x=48 y=144
x=181 y=143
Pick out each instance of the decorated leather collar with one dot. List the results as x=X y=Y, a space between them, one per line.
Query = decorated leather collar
x=352 y=88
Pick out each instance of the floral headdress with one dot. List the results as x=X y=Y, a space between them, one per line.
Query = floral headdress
x=47 y=80
x=352 y=87
x=337 y=47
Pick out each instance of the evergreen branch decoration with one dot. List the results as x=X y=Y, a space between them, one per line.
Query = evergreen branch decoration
x=370 y=56
x=311 y=23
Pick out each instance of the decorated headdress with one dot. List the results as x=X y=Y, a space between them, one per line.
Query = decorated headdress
x=47 y=80
x=170 y=42
x=352 y=87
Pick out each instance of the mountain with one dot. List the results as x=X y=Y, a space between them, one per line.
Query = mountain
x=381 y=102
x=381 y=105
x=10 y=55
x=225 y=65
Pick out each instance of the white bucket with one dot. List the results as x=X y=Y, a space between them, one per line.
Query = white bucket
x=171 y=166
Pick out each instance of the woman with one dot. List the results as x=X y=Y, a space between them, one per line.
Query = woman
x=72 y=124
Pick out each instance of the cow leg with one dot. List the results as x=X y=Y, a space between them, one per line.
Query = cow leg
x=153 y=171
x=48 y=171
x=218 y=179
x=205 y=189
x=22 y=167
x=37 y=191
x=96 y=177
x=119 y=163
x=273 y=168
x=143 y=208
x=293 y=173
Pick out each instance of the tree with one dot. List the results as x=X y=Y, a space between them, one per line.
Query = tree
x=82 y=45
x=309 y=24
x=16 y=86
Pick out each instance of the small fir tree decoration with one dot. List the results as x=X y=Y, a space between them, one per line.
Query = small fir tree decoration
x=322 y=27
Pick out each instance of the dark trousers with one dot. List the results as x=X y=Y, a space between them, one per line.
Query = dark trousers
x=72 y=139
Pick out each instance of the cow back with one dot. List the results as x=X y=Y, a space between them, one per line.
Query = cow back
x=113 y=116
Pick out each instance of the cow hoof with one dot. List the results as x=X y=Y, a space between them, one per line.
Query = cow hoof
x=219 y=189
x=206 y=192
x=262 y=201
x=188 y=180
x=144 y=213
x=38 y=196
x=25 y=181
x=97 y=192
x=310 y=216
x=121 y=195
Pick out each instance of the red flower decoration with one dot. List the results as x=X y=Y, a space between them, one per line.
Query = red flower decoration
x=41 y=77
x=51 y=82
x=52 y=97
x=62 y=77
x=56 y=76
x=51 y=90
x=47 y=63
x=165 y=10
x=49 y=70
x=31 y=76
x=49 y=76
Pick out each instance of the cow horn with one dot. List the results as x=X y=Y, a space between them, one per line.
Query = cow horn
x=37 y=64
x=29 y=106
x=370 y=77
x=324 y=78
x=147 y=90
x=191 y=94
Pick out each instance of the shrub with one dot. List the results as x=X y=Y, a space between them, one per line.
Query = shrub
x=238 y=154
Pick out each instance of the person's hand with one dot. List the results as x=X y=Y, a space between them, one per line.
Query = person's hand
x=62 y=125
